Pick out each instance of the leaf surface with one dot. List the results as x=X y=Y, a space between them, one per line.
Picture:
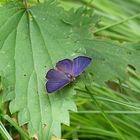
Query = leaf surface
x=110 y=60
x=31 y=43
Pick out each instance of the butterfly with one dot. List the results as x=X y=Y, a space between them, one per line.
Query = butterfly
x=66 y=71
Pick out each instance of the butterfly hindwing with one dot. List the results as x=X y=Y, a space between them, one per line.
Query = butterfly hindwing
x=56 y=80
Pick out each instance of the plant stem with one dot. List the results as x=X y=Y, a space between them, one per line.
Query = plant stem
x=23 y=134
x=117 y=23
x=103 y=113
x=108 y=112
x=113 y=101
x=4 y=132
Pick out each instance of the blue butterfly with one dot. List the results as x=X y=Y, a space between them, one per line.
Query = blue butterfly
x=66 y=71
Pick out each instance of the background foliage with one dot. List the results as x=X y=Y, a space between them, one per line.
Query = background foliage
x=35 y=36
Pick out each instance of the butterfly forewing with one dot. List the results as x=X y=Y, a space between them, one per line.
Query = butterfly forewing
x=79 y=64
x=65 y=66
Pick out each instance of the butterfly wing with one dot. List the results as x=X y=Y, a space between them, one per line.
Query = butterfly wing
x=56 y=80
x=79 y=64
x=65 y=66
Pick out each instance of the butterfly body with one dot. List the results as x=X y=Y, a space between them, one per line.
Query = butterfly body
x=70 y=77
x=66 y=71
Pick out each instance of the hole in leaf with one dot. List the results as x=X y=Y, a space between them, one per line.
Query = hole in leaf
x=132 y=67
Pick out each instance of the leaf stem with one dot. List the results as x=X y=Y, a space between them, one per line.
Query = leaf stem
x=25 y=3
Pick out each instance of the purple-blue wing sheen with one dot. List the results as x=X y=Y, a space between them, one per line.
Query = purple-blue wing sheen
x=56 y=80
x=79 y=64
x=65 y=66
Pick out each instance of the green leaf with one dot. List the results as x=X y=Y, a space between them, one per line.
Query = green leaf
x=110 y=60
x=31 y=42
